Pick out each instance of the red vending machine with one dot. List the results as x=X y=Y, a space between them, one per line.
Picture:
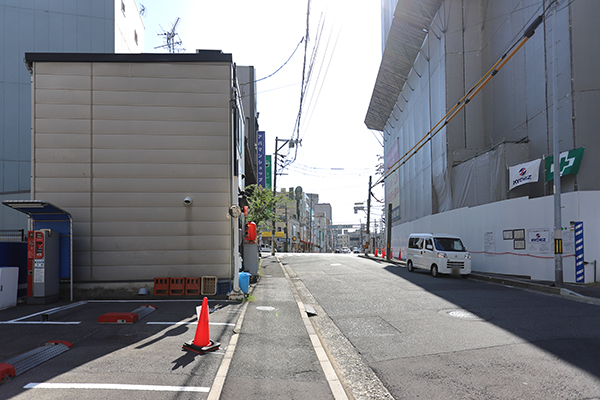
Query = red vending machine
x=43 y=269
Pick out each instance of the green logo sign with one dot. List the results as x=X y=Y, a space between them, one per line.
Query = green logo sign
x=569 y=163
x=268 y=171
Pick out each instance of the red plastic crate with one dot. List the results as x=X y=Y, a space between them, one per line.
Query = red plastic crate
x=177 y=286
x=161 y=286
x=192 y=286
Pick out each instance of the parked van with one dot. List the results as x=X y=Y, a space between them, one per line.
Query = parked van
x=438 y=254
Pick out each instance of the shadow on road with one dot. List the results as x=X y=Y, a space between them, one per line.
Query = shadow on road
x=567 y=329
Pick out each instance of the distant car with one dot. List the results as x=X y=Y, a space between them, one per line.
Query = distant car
x=355 y=250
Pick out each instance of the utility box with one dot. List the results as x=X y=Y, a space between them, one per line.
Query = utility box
x=43 y=268
x=9 y=278
x=250 y=257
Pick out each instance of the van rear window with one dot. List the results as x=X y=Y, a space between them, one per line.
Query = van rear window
x=449 y=244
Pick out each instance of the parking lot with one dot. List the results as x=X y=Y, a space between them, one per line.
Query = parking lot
x=143 y=356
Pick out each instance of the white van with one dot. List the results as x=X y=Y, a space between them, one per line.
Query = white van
x=438 y=254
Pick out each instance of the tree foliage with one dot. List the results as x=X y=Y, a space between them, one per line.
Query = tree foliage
x=262 y=205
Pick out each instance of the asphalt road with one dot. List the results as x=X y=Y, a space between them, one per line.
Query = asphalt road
x=447 y=337
x=391 y=335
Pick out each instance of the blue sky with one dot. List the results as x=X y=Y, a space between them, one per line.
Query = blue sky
x=338 y=152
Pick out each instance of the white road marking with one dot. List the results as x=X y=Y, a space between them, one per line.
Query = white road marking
x=115 y=386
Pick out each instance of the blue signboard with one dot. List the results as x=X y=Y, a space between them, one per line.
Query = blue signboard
x=260 y=153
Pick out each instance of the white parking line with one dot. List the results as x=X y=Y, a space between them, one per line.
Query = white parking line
x=15 y=322
x=187 y=323
x=115 y=386
x=55 y=309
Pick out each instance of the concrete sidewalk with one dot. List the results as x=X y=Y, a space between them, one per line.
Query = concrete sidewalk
x=276 y=354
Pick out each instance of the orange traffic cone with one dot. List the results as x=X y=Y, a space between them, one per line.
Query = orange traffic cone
x=382 y=253
x=375 y=251
x=391 y=253
x=202 y=342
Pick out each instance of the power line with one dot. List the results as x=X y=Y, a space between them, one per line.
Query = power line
x=278 y=69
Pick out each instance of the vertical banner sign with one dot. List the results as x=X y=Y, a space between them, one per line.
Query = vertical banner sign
x=268 y=172
x=260 y=155
x=579 y=265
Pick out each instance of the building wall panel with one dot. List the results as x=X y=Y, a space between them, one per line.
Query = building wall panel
x=200 y=128
x=158 y=199
x=64 y=170
x=167 y=142
x=169 y=171
x=213 y=71
x=123 y=159
x=134 y=213
x=162 y=228
x=62 y=155
x=174 y=99
x=62 y=140
x=145 y=156
x=170 y=85
x=160 y=113
x=116 y=243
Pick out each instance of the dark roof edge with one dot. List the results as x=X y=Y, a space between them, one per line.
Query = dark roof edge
x=200 y=56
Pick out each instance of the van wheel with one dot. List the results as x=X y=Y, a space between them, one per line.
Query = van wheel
x=410 y=266
x=434 y=270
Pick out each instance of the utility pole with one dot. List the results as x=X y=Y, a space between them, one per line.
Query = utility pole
x=368 y=238
x=558 y=261
x=274 y=195
x=292 y=143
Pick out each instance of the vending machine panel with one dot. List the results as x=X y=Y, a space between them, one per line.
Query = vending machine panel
x=43 y=252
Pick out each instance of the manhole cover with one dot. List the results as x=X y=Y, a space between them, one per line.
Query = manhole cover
x=265 y=308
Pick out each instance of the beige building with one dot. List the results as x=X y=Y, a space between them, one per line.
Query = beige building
x=146 y=151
